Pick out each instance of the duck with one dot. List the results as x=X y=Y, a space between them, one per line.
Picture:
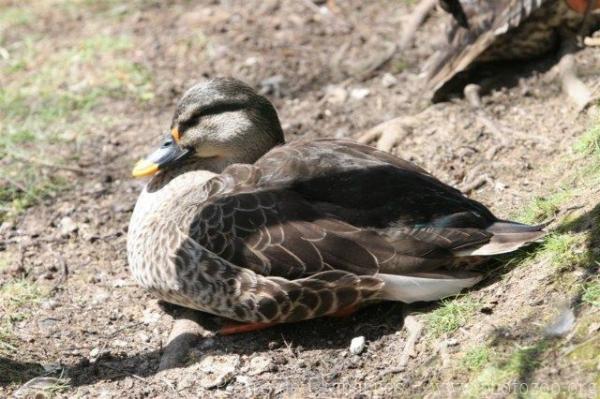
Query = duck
x=485 y=32
x=237 y=223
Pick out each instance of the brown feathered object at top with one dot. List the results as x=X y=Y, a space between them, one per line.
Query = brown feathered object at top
x=454 y=8
x=500 y=30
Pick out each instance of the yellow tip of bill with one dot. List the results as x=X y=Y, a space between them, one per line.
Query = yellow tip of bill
x=144 y=168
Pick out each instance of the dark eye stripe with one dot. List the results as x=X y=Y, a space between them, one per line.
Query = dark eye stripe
x=213 y=109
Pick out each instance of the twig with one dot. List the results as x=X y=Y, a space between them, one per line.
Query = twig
x=114 y=334
x=474 y=184
x=587 y=341
x=9 y=346
x=185 y=332
x=126 y=372
x=63 y=276
x=414 y=329
x=416 y=19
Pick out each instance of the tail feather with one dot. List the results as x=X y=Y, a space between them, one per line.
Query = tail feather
x=425 y=286
x=507 y=237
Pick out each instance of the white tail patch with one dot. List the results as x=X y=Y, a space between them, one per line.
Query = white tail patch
x=425 y=286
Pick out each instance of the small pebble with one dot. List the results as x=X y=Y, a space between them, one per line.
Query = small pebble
x=217 y=371
x=259 y=365
x=67 y=226
x=388 y=80
x=359 y=93
x=94 y=352
x=336 y=95
x=357 y=345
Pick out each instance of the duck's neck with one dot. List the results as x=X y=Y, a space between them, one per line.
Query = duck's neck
x=159 y=213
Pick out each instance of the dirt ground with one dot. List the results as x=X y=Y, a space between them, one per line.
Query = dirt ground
x=329 y=74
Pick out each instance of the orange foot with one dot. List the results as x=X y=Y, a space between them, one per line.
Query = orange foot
x=232 y=327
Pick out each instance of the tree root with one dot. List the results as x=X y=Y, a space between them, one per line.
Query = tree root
x=188 y=327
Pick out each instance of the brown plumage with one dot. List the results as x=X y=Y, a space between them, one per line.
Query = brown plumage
x=499 y=30
x=301 y=230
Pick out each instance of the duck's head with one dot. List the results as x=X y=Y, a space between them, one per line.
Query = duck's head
x=216 y=123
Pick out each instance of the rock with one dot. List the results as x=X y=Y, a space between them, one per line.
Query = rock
x=40 y=387
x=388 y=80
x=47 y=323
x=207 y=343
x=336 y=95
x=272 y=85
x=243 y=379
x=150 y=317
x=251 y=61
x=217 y=371
x=50 y=304
x=53 y=367
x=357 y=345
x=594 y=327
x=359 y=93
x=100 y=297
x=67 y=226
x=119 y=283
x=260 y=364
x=274 y=345
x=95 y=352
x=562 y=324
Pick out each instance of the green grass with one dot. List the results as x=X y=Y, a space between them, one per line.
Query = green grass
x=589 y=142
x=14 y=296
x=16 y=293
x=506 y=371
x=477 y=357
x=591 y=292
x=52 y=92
x=450 y=315
x=544 y=208
x=565 y=250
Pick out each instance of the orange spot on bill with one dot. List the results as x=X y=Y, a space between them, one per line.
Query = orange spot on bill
x=176 y=135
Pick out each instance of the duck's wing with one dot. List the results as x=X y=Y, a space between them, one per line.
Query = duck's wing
x=275 y=232
x=336 y=206
x=487 y=20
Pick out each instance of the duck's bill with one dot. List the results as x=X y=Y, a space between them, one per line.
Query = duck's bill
x=167 y=155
